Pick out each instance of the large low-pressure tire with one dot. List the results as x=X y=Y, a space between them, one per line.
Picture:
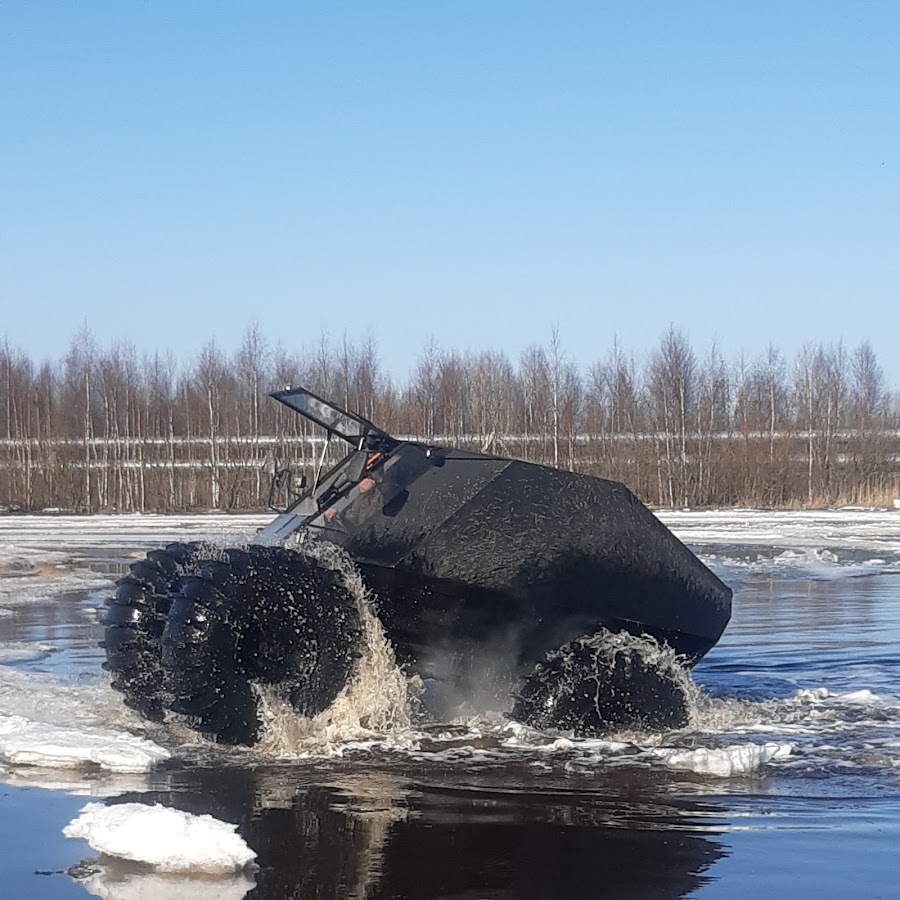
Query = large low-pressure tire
x=266 y=616
x=134 y=620
x=605 y=682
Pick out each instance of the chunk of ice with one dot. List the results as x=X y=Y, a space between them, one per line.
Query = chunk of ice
x=168 y=839
x=812 y=695
x=24 y=742
x=724 y=762
x=21 y=651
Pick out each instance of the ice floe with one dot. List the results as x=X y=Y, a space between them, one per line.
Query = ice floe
x=22 y=651
x=167 y=839
x=863 y=697
x=25 y=742
x=723 y=762
x=139 y=531
x=98 y=784
x=28 y=574
x=859 y=530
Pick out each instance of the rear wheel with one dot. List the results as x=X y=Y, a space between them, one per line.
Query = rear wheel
x=134 y=620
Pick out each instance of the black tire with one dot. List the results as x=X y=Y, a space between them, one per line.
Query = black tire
x=134 y=619
x=260 y=616
x=602 y=683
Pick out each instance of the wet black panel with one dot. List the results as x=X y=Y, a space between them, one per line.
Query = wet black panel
x=551 y=555
x=416 y=496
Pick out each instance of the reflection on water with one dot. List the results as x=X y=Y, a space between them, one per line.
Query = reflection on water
x=357 y=832
x=66 y=626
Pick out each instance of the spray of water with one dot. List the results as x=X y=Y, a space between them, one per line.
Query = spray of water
x=376 y=704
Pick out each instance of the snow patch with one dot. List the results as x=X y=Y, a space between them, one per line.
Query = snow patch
x=167 y=839
x=724 y=762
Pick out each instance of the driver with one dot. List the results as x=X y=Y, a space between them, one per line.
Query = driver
x=363 y=505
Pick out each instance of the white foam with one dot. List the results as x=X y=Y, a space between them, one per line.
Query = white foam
x=863 y=698
x=167 y=839
x=373 y=710
x=723 y=762
x=25 y=742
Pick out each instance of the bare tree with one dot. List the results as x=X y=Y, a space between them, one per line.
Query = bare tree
x=102 y=429
x=671 y=381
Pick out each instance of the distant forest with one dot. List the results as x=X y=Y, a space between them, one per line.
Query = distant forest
x=112 y=429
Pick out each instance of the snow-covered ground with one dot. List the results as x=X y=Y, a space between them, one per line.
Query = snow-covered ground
x=871 y=530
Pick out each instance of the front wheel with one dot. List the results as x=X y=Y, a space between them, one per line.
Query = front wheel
x=606 y=682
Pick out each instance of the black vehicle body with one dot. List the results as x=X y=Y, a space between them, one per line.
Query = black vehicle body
x=483 y=568
x=465 y=548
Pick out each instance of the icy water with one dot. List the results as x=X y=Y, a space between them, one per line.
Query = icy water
x=785 y=784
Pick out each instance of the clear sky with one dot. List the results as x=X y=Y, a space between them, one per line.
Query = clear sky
x=474 y=171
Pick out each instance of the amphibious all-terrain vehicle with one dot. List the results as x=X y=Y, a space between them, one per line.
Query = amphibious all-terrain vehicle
x=490 y=576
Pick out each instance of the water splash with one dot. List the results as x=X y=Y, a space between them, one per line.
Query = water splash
x=377 y=703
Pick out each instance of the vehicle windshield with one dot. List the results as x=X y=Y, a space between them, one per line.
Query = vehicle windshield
x=336 y=421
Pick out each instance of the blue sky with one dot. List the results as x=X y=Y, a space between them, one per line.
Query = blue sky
x=473 y=171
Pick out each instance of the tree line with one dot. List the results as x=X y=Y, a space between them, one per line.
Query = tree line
x=112 y=429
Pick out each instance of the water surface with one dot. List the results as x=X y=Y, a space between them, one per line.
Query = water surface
x=483 y=808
